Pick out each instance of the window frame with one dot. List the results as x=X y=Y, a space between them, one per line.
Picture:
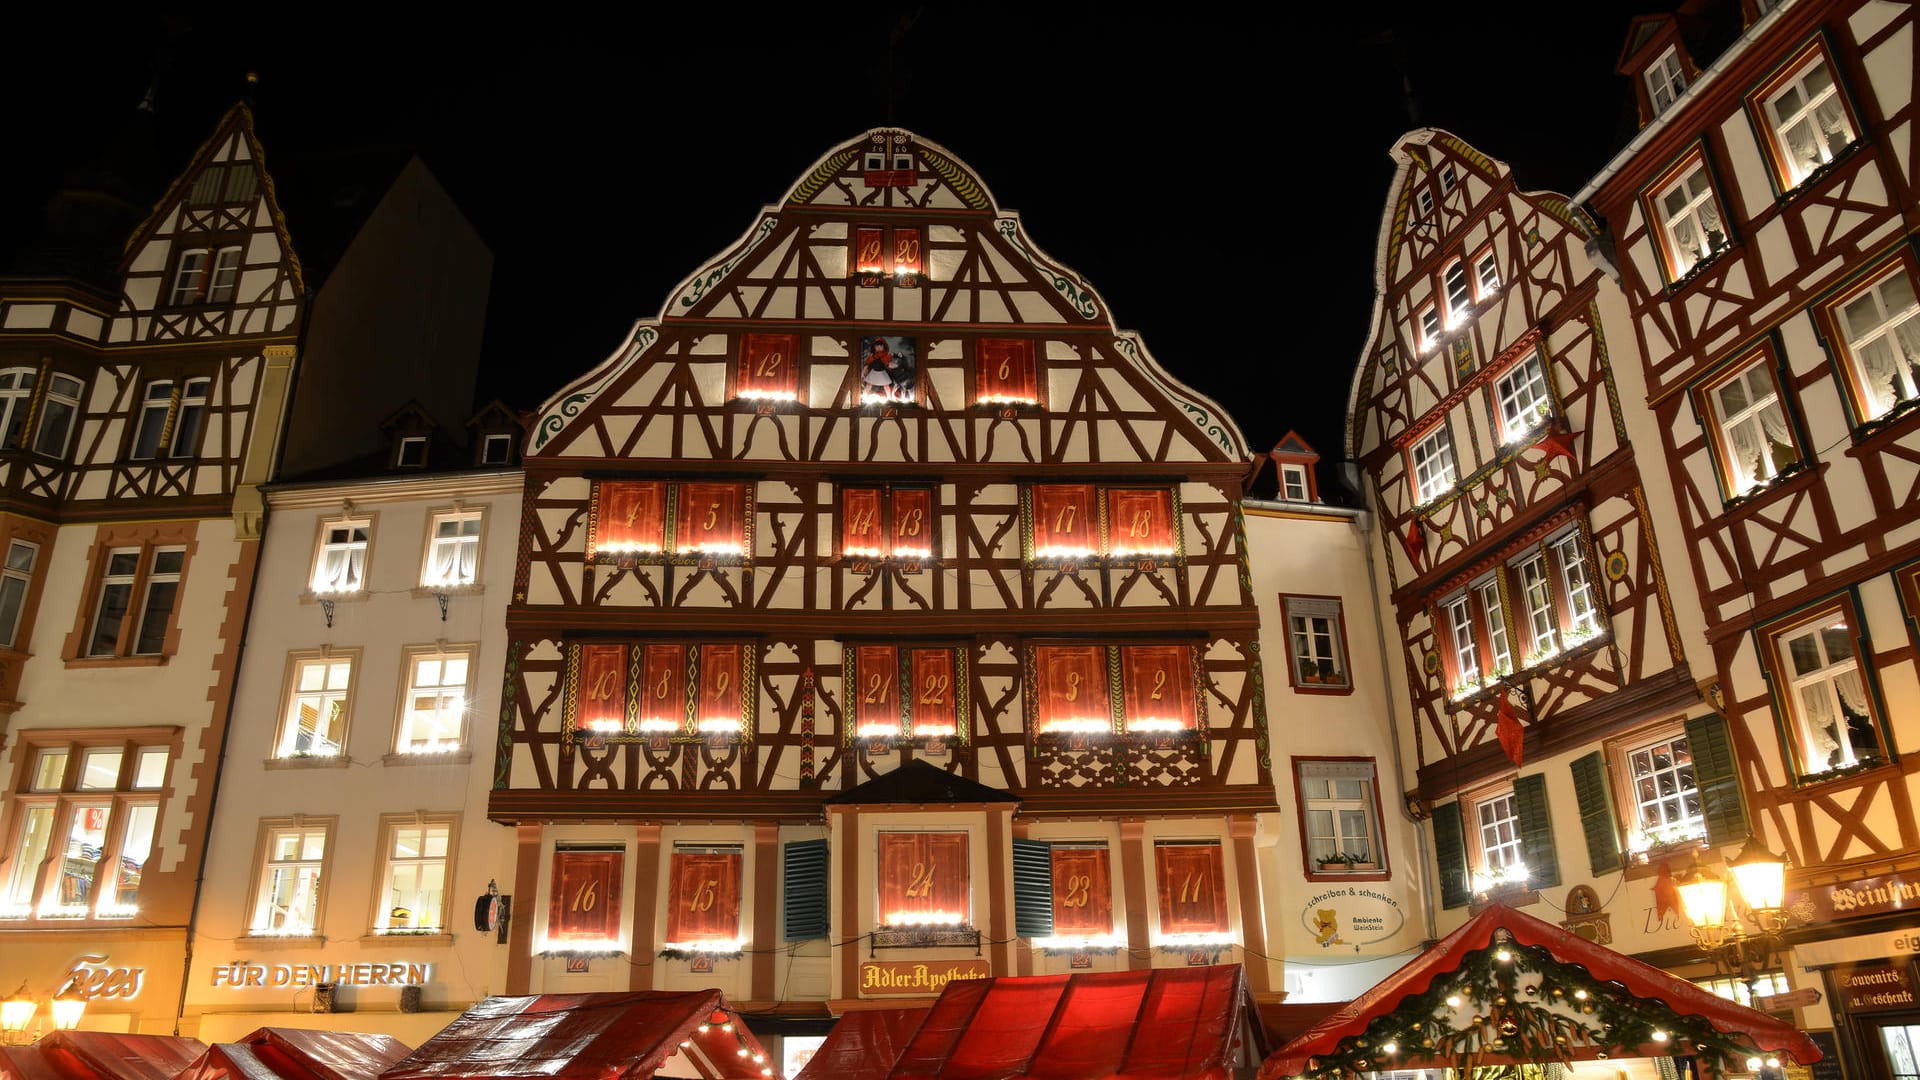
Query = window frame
x=1342 y=681
x=284 y=730
x=1457 y=302
x=51 y=392
x=148 y=542
x=218 y=265
x=891 y=524
x=1513 y=627
x=632 y=674
x=1290 y=472
x=1101 y=527
x=1423 y=494
x=350 y=519
x=328 y=827
x=1331 y=768
x=488 y=440
x=64 y=800
x=188 y=401
x=17 y=405
x=1480 y=871
x=380 y=915
x=1484 y=261
x=669 y=551
x=402 y=746
x=1114 y=666
x=1849 y=367
x=1660 y=75
x=26 y=577
x=1763 y=115
x=1708 y=412
x=432 y=540
x=1428 y=327
x=1694 y=160
x=1532 y=368
x=907 y=695
x=1769 y=639
x=1620 y=752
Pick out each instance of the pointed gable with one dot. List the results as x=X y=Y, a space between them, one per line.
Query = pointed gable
x=918 y=783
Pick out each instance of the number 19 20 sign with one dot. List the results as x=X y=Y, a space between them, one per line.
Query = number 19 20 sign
x=585 y=900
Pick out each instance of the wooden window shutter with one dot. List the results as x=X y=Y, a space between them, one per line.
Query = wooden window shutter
x=1596 y=813
x=1450 y=844
x=1536 y=830
x=1032 y=888
x=804 y=868
x=1716 y=775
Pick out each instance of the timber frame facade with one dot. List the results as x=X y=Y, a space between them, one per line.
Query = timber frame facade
x=1764 y=225
x=870 y=477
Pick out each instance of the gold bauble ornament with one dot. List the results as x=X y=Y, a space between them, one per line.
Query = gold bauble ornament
x=1508 y=1027
x=1531 y=990
x=1501 y=1000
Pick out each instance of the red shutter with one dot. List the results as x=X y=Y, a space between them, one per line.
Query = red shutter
x=711 y=519
x=663 y=688
x=876 y=690
x=720 y=708
x=906 y=251
x=935 y=688
x=861 y=526
x=1063 y=521
x=923 y=878
x=913 y=523
x=768 y=368
x=1192 y=889
x=1003 y=371
x=1140 y=521
x=1082 y=891
x=1157 y=684
x=1073 y=688
x=703 y=897
x=869 y=251
x=631 y=517
x=602 y=704
x=584 y=897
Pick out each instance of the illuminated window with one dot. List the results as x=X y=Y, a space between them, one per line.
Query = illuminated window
x=1583 y=614
x=923 y=879
x=83 y=829
x=1692 y=225
x=1099 y=689
x=886 y=522
x=416 y=858
x=1823 y=685
x=710 y=519
x=58 y=407
x=453 y=549
x=1429 y=328
x=340 y=564
x=433 y=714
x=1882 y=337
x=1077 y=521
x=1665 y=80
x=16 y=404
x=318 y=703
x=1734 y=989
x=1466 y=648
x=1434 y=473
x=1004 y=372
x=292 y=866
x=906 y=692
x=1316 y=647
x=1748 y=420
x=1339 y=814
x=1536 y=594
x=1522 y=398
x=769 y=368
x=16 y=577
x=1486 y=276
x=1664 y=799
x=1293 y=483
x=705 y=688
x=1807 y=124
x=1192 y=883
x=1497 y=833
x=703 y=897
x=1459 y=293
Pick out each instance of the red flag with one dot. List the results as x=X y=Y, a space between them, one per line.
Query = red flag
x=1507 y=726
x=1555 y=443
x=1415 y=541
x=1666 y=893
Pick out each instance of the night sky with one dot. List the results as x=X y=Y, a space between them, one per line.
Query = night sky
x=1220 y=180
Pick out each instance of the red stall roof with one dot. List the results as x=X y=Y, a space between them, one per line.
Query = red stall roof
x=1754 y=1029
x=603 y=1036
x=298 y=1054
x=1164 y=1024
x=100 y=1055
x=864 y=1045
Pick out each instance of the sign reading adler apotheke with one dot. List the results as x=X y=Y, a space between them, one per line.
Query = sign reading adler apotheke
x=917 y=979
x=266 y=976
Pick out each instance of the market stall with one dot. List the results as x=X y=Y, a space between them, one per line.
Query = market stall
x=99 y=1055
x=620 y=1036
x=298 y=1054
x=1508 y=989
x=864 y=1045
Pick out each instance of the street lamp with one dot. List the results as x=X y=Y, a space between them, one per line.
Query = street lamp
x=17 y=1011
x=1759 y=879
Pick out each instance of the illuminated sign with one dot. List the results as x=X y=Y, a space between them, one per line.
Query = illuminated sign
x=91 y=977
x=883 y=977
x=241 y=976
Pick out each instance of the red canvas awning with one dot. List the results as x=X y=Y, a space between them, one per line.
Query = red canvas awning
x=603 y=1036
x=1439 y=964
x=864 y=1045
x=100 y=1055
x=298 y=1054
x=1163 y=1024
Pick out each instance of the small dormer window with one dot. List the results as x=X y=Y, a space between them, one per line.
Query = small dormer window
x=413 y=452
x=496 y=449
x=1447 y=178
x=1665 y=80
x=1423 y=203
x=1293 y=483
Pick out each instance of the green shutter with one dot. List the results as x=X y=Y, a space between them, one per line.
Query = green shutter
x=1451 y=847
x=1717 y=776
x=1596 y=813
x=1032 y=888
x=1536 y=830
x=804 y=866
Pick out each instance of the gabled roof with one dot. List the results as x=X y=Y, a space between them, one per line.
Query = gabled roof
x=603 y=1036
x=864 y=1045
x=919 y=784
x=1165 y=1023
x=1642 y=30
x=101 y=1055
x=1549 y=958
x=1292 y=446
x=298 y=1054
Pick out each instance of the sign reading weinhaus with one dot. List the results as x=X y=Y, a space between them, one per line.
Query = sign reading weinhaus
x=1857 y=898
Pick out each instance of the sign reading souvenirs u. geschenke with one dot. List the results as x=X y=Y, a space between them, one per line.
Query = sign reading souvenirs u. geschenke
x=1856 y=898
x=914 y=979
x=1878 y=987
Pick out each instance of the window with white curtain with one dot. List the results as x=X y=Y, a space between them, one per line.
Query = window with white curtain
x=1756 y=443
x=1665 y=80
x=340 y=566
x=453 y=549
x=434 y=712
x=1826 y=695
x=1691 y=221
x=1808 y=120
x=1883 y=343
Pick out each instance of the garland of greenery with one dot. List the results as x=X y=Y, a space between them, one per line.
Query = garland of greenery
x=1514 y=1002
x=689 y=954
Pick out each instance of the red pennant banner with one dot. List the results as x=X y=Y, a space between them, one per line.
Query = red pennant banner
x=1507 y=727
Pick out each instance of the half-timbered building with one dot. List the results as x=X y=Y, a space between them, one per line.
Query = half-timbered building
x=1763 y=225
x=139 y=416
x=882 y=618
x=1553 y=726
